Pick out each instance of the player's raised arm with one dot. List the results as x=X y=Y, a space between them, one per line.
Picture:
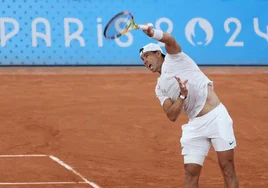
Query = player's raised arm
x=172 y=47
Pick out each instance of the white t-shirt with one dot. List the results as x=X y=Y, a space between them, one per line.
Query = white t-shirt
x=182 y=66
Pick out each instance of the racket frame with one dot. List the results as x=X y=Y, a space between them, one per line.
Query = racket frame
x=132 y=25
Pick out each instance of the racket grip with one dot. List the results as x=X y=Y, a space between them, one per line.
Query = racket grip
x=145 y=27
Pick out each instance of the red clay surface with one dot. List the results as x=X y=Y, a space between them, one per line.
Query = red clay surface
x=108 y=125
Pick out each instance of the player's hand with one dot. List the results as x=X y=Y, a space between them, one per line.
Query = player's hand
x=149 y=31
x=183 y=87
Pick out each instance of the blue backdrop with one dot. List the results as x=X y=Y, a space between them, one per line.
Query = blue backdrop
x=70 y=32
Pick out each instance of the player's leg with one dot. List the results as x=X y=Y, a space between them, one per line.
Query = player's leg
x=224 y=142
x=192 y=170
x=227 y=165
x=195 y=148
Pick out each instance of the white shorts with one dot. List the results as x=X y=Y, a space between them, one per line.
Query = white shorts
x=215 y=127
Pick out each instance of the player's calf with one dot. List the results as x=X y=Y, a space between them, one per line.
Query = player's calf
x=226 y=162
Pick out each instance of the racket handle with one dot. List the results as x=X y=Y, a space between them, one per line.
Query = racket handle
x=145 y=27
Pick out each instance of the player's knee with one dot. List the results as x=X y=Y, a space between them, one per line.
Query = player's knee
x=228 y=168
x=193 y=165
x=192 y=172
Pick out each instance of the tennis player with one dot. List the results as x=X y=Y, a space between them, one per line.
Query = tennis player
x=183 y=87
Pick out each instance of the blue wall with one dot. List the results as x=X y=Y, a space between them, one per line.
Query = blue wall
x=211 y=31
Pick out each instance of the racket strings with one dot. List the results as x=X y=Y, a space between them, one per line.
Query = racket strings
x=119 y=25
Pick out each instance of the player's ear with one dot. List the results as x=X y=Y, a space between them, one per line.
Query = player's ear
x=158 y=53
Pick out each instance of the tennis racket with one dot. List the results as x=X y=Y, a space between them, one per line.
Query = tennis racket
x=120 y=24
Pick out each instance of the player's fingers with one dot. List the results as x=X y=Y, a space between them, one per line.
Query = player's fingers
x=185 y=82
x=179 y=81
x=150 y=31
x=145 y=31
x=181 y=84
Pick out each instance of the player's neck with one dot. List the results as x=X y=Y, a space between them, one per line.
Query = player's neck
x=161 y=67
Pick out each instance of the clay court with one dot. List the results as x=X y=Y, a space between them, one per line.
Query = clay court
x=103 y=127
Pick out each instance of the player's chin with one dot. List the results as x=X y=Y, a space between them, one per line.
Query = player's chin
x=150 y=69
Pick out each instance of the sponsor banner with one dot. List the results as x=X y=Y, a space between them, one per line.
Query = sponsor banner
x=70 y=32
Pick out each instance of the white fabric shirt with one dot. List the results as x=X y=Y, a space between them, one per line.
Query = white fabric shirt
x=182 y=66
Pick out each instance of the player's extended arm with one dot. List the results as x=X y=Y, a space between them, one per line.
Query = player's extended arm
x=173 y=110
x=171 y=45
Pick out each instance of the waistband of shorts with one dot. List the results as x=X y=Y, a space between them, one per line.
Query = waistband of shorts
x=210 y=114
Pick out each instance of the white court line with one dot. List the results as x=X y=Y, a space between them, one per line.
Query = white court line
x=41 y=183
x=94 y=185
x=34 y=155
x=72 y=170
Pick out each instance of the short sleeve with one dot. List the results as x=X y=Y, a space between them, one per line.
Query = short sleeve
x=160 y=94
